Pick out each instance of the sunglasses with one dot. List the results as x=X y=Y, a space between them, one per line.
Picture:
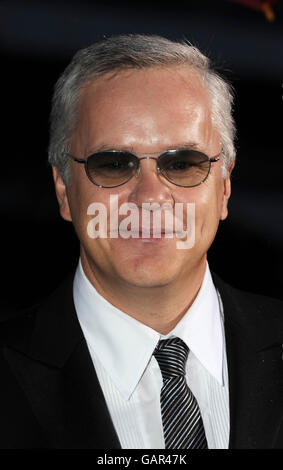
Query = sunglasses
x=113 y=168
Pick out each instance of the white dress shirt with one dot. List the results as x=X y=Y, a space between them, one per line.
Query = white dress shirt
x=121 y=349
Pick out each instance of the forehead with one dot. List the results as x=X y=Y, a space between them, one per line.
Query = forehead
x=149 y=86
x=149 y=102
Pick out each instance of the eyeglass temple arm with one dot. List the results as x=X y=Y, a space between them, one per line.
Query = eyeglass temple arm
x=215 y=159
x=79 y=160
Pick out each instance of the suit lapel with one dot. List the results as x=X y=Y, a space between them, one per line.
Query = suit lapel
x=255 y=369
x=55 y=371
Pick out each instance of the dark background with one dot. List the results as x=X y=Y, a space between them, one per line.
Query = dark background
x=38 y=40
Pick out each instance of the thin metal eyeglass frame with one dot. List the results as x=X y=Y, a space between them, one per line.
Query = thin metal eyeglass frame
x=84 y=161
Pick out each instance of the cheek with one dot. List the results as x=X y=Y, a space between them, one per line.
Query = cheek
x=208 y=210
x=84 y=197
x=81 y=194
x=208 y=205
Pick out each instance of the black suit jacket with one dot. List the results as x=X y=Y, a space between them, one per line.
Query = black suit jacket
x=50 y=396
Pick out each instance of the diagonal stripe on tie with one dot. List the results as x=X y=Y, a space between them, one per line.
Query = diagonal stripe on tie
x=181 y=418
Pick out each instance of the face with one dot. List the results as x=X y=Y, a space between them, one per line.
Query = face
x=145 y=111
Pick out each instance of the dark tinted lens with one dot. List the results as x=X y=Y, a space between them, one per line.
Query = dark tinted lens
x=111 y=169
x=185 y=167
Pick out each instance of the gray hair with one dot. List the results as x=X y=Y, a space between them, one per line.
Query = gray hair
x=134 y=51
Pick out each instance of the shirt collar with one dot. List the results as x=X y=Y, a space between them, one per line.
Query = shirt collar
x=115 y=337
x=201 y=328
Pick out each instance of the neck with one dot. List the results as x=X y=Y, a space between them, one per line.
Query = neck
x=160 y=308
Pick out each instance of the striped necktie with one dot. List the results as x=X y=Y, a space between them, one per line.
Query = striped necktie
x=181 y=418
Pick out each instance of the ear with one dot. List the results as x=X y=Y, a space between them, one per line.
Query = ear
x=226 y=193
x=61 y=194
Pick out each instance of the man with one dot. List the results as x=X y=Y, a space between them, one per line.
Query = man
x=143 y=347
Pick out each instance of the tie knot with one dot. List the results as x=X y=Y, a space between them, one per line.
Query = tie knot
x=171 y=355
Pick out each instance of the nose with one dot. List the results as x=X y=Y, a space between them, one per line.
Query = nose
x=149 y=185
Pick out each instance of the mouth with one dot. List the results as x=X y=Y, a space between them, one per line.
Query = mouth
x=148 y=235
x=153 y=234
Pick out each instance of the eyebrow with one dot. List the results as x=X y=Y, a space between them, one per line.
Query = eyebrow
x=108 y=147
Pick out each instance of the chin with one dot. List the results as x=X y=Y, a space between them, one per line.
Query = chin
x=148 y=274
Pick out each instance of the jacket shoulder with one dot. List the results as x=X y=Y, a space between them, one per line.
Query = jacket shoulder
x=259 y=315
x=260 y=304
x=17 y=327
